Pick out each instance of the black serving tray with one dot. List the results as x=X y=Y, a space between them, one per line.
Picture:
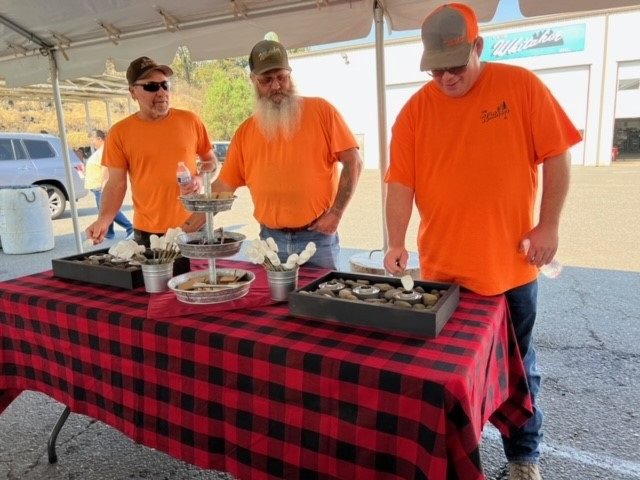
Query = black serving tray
x=70 y=268
x=386 y=317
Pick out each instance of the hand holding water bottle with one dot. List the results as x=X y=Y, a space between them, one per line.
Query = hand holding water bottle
x=187 y=183
x=549 y=270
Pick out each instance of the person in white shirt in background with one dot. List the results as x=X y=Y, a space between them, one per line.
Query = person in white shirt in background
x=96 y=176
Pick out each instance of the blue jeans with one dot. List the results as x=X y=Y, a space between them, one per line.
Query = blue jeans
x=121 y=219
x=524 y=444
x=328 y=246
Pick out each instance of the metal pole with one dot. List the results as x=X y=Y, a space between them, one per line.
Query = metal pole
x=108 y=107
x=65 y=148
x=87 y=115
x=378 y=15
x=605 y=112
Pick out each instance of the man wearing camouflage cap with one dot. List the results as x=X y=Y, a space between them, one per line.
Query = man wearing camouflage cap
x=288 y=153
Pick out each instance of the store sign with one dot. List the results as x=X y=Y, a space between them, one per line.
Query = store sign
x=546 y=41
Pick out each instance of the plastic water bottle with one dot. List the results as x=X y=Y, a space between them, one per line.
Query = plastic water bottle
x=553 y=269
x=183 y=176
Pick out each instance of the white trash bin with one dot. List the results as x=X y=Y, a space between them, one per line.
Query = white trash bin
x=25 y=220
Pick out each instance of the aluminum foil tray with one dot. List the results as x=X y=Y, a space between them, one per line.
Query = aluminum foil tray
x=201 y=202
x=217 y=296
x=193 y=245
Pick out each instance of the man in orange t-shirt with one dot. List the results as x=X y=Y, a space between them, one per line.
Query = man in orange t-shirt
x=466 y=147
x=148 y=146
x=288 y=154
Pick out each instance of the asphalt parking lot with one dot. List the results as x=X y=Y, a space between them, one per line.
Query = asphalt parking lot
x=587 y=340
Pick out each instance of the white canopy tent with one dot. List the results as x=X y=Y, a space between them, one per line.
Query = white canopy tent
x=44 y=41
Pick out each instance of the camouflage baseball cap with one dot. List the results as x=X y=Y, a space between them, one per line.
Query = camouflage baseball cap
x=143 y=66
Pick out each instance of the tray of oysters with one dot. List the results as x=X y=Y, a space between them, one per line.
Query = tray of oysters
x=208 y=202
x=198 y=245
x=376 y=301
x=196 y=287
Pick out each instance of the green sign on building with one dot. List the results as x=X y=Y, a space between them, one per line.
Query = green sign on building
x=532 y=43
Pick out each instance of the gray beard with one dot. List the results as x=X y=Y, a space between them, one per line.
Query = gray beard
x=276 y=118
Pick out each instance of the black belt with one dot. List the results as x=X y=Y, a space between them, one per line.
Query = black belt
x=294 y=230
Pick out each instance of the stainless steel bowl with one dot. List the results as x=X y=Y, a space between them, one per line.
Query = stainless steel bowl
x=194 y=245
x=366 y=291
x=224 y=294
x=409 y=296
x=334 y=285
x=201 y=202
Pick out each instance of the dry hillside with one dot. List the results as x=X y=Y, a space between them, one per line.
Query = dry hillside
x=36 y=116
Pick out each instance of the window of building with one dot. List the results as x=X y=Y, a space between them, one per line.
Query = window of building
x=629 y=84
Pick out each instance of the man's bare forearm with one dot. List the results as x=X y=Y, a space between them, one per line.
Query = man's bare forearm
x=351 y=170
x=555 y=186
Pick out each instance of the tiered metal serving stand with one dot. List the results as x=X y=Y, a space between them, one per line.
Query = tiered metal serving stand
x=210 y=244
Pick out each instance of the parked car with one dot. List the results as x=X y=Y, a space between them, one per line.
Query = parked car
x=36 y=159
x=220 y=149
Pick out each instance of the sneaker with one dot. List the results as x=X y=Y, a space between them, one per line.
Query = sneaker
x=129 y=235
x=110 y=236
x=524 y=471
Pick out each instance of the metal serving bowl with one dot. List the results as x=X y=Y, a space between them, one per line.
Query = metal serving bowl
x=194 y=245
x=201 y=202
x=224 y=294
x=409 y=296
x=334 y=285
x=366 y=291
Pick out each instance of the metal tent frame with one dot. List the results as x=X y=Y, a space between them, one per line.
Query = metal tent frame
x=76 y=37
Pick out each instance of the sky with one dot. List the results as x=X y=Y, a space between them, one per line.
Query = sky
x=507 y=10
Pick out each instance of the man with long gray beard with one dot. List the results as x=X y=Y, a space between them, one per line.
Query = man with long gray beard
x=288 y=153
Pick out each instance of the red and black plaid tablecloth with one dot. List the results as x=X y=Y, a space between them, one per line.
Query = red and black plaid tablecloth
x=264 y=395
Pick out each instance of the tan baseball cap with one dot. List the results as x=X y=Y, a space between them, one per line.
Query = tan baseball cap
x=268 y=55
x=448 y=35
x=143 y=66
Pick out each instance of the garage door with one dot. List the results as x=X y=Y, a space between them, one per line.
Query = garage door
x=571 y=87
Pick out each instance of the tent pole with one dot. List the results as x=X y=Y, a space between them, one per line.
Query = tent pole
x=378 y=15
x=607 y=116
x=65 y=148
x=87 y=115
x=107 y=104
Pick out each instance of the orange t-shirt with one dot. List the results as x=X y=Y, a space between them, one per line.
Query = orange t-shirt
x=472 y=162
x=150 y=152
x=292 y=180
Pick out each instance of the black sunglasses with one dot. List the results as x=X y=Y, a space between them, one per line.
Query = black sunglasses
x=439 y=72
x=154 y=86
x=457 y=70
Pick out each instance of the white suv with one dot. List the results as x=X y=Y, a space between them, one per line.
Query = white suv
x=36 y=159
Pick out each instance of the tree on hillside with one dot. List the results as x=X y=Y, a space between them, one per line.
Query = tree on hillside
x=228 y=98
x=183 y=66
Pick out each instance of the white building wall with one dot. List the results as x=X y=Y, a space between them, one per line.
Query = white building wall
x=349 y=84
x=585 y=82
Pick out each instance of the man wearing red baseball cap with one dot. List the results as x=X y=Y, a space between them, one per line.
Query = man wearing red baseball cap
x=466 y=148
